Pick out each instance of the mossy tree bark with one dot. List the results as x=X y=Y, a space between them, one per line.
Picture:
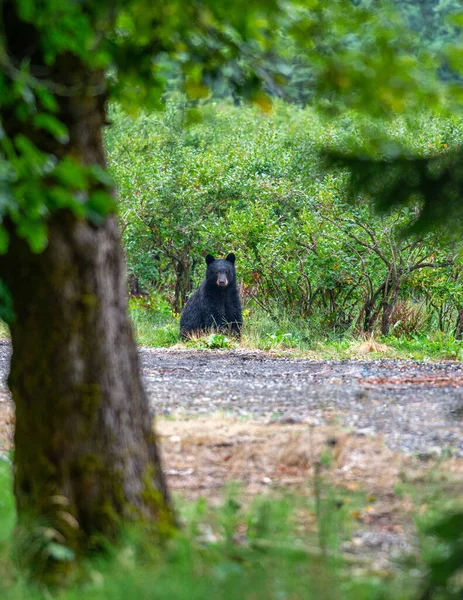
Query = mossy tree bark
x=458 y=332
x=85 y=452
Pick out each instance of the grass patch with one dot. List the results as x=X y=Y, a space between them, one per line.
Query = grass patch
x=268 y=549
x=222 y=552
x=7 y=515
x=435 y=345
x=153 y=321
x=4 y=330
x=156 y=326
x=210 y=341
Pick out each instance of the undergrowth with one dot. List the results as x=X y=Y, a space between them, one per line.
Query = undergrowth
x=268 y=548
x=153 y=322
x=156 y=326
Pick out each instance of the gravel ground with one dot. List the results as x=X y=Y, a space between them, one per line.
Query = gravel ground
x=418 y=407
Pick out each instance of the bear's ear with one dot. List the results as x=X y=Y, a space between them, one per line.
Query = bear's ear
x=209 y=259
x=231 y=258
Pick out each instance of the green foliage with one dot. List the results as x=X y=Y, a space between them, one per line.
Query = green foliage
x=210 y=341
x=253 y=183
x=242 y=181
x=394 y=79
x=217 y=340
x=264 y=549
x=348 y=54
x=153 y=322
x=433 y=21
x=440 y=535
x=352 y=55
x=138 y=44
x=445 y=569
x=400 y=179
x=436 y=345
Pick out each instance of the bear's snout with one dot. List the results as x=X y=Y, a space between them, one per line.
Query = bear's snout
x=222 y=280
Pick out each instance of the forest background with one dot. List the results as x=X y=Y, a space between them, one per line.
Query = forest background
x=212 y=174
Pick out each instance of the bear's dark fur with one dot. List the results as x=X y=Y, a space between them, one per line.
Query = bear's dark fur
x=216 y=303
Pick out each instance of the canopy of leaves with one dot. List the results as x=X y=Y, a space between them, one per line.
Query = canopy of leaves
x=338 y=53
x=393 y=174
x=58 y=49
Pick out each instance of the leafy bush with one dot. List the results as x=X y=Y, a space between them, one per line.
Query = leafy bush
x=255 y=184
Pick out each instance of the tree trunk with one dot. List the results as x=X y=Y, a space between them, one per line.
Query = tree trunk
x=182 y=284
x=459 y=326
x=388 y=307
x=370 y=315
x=86 y=456
x=135 y=287
x=85 y=450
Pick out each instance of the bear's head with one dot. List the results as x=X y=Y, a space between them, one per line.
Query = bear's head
x=220 y=272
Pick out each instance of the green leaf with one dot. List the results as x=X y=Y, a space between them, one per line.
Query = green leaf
x=71 y=174
x=262 y=100
x=51 y=124
x=35 y=233
x=100 y=175
x=195 y=90
x=47 y=100
x=99 y=205
x=448 y=529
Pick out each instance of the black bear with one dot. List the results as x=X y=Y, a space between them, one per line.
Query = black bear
x=216 y=303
